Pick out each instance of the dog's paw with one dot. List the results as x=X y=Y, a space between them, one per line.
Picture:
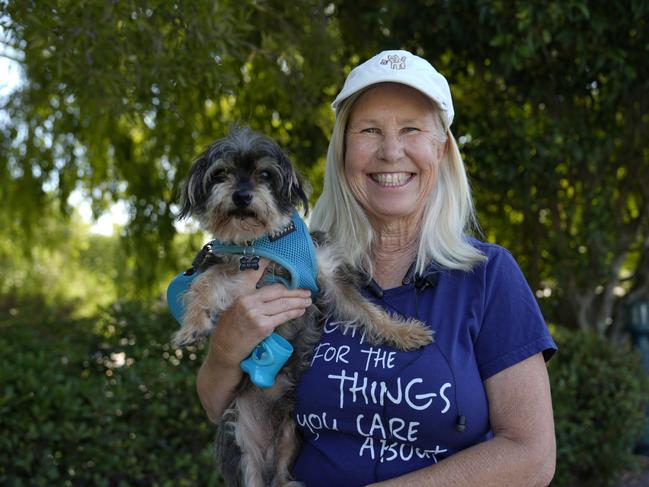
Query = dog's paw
x=185 y=336
x=404 y=334
x=197 y=324
x=417 y=335
x=192 y=331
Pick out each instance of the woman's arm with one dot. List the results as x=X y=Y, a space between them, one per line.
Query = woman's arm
x=252 y=317
x=522 y=452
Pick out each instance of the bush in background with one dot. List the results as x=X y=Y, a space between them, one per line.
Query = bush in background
x=600 y=392
x=100 y=402
x=107 y=401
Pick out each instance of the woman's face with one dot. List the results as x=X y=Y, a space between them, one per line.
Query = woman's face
x=392 y=151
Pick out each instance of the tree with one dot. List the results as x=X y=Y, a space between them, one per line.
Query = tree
x=552 y=117
x=551 y=106
x=120 y=97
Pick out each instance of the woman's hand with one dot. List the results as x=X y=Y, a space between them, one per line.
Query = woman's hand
x=252 y=317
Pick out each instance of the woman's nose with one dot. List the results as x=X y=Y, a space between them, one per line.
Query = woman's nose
x=391 y=147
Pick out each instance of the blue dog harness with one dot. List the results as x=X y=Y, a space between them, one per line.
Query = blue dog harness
x=292 y=248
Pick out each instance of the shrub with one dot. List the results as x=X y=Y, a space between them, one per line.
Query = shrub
x=599 y=392
x=107 y=401
x=100 y=402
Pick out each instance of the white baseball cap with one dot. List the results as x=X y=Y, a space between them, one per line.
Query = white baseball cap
x=405 y=68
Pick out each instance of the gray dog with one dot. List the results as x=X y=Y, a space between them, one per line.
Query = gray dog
x=242 y=188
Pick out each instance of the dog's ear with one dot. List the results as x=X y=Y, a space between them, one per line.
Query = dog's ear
x=297 y=189
x=193 y=194
x=298 y=193
x=293 y=188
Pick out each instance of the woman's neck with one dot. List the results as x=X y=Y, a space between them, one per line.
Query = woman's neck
x=394 y=250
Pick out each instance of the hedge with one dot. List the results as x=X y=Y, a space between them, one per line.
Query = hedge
x=100 y=402
x=108 y=402
x=600 y=393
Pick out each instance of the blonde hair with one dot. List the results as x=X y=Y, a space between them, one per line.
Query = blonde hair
x=448 y=214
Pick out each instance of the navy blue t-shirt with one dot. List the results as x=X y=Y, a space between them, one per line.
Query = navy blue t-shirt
x=369 y=413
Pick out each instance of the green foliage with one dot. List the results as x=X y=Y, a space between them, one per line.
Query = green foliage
x=551 y=115
x=65 y=265
x=552 y=120
x=69 y=267
x=600 y=393
x=107 y=401
x=120 y=97
x=100 y=402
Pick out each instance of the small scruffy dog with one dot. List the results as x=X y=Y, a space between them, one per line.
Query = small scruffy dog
x=241 y=188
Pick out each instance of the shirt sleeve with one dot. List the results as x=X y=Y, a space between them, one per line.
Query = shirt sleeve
x=512 y=327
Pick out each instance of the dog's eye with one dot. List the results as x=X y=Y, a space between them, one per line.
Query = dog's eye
x=217 y=177
x=265 y=175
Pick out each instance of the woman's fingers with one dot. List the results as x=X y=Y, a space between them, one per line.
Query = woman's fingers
x=266 y=309
x=270 y=292
x=255 y=314
x=284 y=303
x=274 y=292
x=283 y=317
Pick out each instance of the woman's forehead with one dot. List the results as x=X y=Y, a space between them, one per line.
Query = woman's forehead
x=393 y=102
x=393 y=97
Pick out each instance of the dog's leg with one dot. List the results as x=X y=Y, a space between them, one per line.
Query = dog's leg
x=211 y=292
x=286 y=450
x=343 y=299
x=253 y=434
x=227 y=454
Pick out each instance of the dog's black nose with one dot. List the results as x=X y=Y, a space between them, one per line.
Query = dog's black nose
x=242 y=198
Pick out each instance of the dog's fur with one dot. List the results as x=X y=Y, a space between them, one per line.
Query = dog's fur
x=242 y=187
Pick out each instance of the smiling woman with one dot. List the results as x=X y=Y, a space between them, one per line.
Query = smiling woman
x=413 y=103
x=474 y=407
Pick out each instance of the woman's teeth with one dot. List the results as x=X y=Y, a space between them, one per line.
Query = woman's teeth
x=391 y=179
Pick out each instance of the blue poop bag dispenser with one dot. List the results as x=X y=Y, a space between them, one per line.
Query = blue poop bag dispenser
x=293 y=249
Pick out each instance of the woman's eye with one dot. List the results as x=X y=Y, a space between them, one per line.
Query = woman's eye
x=410 y=129
x=371 y=130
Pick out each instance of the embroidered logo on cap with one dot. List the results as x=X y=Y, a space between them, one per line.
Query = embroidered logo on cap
x=395 y=61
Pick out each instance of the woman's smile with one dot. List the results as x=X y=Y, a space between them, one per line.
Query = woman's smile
x=392 y=179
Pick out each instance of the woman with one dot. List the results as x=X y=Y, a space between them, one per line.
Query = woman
x=473 y=408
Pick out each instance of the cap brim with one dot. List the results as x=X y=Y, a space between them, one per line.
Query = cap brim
x=421 y=87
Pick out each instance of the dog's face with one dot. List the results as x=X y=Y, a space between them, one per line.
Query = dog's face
x=242 y=187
